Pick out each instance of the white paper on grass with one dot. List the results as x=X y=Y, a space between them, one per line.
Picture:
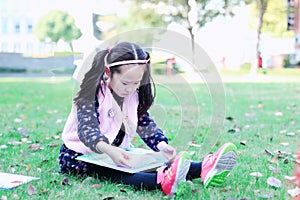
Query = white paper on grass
x=10 y=181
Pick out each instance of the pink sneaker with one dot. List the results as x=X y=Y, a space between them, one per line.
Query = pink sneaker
x=169 y=178
x=216 y=167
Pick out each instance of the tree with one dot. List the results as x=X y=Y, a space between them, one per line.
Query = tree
x=275 y=19
x=138 y=17
x=261 y=6
x=192 y=14
x=271 y=17
x=57 y=25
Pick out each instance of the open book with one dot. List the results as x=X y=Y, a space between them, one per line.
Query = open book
x=140 y=160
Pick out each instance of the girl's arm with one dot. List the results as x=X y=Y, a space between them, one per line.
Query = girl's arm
x=89 y=133
x=88 y=126
x=149 y=132
x=154 y=137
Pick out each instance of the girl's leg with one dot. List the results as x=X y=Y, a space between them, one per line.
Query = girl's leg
x=69 y=164
x=194 y=171
x=140 y=180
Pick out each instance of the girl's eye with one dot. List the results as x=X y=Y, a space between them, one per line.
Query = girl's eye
x=124 y=83
x=137 y=83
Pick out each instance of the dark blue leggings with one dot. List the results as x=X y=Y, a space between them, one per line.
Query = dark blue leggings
x=140 y=180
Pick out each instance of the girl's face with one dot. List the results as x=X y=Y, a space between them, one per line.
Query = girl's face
x=128 y=80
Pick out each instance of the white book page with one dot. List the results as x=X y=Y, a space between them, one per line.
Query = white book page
x=140 y=160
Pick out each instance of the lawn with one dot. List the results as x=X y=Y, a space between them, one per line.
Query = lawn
x=257 y=117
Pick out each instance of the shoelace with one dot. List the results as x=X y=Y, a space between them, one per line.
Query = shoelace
x=161 y=172
x=211 y=158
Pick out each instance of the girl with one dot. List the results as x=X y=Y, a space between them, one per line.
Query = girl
x=110 y=108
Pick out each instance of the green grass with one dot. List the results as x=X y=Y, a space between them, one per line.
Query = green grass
x=274 y=72
x=43 y=105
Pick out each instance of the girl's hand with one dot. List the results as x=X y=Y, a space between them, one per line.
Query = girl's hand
x=167 y=150
x=118 y=155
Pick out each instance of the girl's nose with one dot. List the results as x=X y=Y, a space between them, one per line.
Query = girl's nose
x=129 y=89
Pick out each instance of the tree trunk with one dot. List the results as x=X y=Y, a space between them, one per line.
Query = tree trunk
x=262 y=7
x=71 y=46
x=190 y=29
x=193 y=44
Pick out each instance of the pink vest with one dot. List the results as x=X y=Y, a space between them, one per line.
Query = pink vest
x=110 y=117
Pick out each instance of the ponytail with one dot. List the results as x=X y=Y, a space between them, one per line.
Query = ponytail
x=146 y=96
x=91 y=81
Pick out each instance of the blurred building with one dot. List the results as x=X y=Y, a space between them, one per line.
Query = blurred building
x=18 y=19
x=16 y=27
x=293 y=23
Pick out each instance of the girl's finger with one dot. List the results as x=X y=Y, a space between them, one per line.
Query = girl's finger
x=126 y=163
x=125 y=155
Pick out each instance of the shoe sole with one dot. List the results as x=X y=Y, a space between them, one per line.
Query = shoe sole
x=182 y=173
x=222 y=167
